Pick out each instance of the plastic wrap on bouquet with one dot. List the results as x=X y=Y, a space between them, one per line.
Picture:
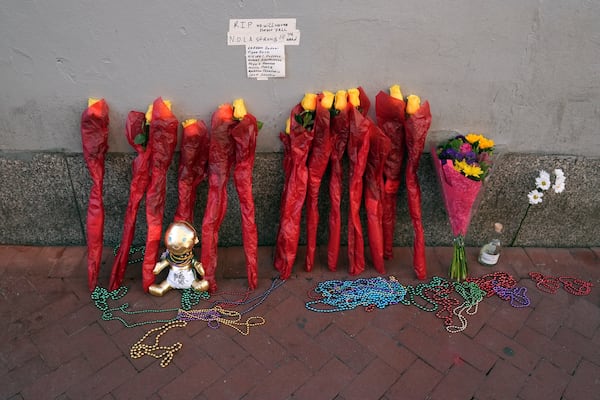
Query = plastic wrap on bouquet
x=293 y=196
x=459 y=194
x=358 y=151
x=317 y=164
x=193 y=162
x=94 y=139
x=140 y=171
x=221 y=156
x=416 y=128
x=244 y=135
x=379 y=149
x=340 y=131
x=162 y=141
x=390 y=118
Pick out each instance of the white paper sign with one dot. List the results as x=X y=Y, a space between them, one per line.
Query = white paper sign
x=263 y=31
x=265 y=41
x=265 y=61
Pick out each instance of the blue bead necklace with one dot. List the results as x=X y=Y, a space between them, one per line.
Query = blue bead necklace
x=339 y=295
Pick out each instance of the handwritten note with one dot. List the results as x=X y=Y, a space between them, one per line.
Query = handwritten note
x=263 y=31
x=265 y=61
x=265 y=41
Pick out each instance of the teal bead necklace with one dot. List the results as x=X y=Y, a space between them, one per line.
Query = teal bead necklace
x=347 y=295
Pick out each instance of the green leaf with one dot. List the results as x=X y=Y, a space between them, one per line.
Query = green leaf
x=259 y=125
x=140 y=138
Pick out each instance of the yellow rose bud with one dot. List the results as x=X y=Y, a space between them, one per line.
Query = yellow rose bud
x=327 y=99
x=239 y=109
x=353 y=97
x=309 y=102
x=287 y=126
x=341 y=100
x=168 y=104
x=395 y=92
x=188 y=122
x=92 y=101
x=413 y=104
x=149 y=113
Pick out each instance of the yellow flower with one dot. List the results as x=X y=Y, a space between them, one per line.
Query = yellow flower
x=467 y=169
x=485 y=143
x=239 y=109
x=341 y=100
x=413 y=104
x=92 y=101
x=188 y=122
x=395 y=92
x=353 y=97
x=309 y=102
x=473 y=138
x=327 y=99
x=287 y=126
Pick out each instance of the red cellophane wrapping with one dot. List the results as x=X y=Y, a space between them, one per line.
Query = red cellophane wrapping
x=317 y=164
x=193 y=161
x=340 y=131
x=94 y=138
x=244 y=135
x=294 y=194
x=459 y=194
x=416 y=128
x=390 y=118
x=358 y=151
x=137 y=189
x=221 y=156
x=161 y=142
x=379 y=149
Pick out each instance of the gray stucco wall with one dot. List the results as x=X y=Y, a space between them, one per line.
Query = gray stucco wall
x=525 y=73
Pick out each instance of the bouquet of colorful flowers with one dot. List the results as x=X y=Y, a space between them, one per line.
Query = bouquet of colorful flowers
x=461 y=164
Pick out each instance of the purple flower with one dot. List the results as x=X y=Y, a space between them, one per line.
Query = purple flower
x=471 y=157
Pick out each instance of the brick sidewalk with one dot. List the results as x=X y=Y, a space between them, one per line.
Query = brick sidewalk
x=54 y=344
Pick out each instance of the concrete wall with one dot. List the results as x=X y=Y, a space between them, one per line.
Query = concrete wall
x=525 y=73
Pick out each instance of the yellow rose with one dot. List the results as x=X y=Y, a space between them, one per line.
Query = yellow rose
x=341 y=100
x=309 y=102
x=395 y=92
x=486 y=143
x=149 y=113
x=92 y=101
x=327 y=99
x=413 y=104
x=353 y=97
x=287 y=126
x=151 y=107
x=188 y=122
x=239 y=109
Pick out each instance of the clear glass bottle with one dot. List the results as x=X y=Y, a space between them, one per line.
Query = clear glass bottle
x=490 y=252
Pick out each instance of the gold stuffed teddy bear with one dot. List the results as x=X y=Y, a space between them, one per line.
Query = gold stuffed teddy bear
x=180 y=239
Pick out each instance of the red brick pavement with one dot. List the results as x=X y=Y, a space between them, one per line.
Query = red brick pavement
x=54 y=344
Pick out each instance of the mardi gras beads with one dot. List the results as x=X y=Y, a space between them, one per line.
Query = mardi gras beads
x=217 y=315
x=166 y=353
x=425 y=291
x=349 y=294
x=472 y=295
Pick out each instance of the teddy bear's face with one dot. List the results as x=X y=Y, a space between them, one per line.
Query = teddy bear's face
x=180 y=238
